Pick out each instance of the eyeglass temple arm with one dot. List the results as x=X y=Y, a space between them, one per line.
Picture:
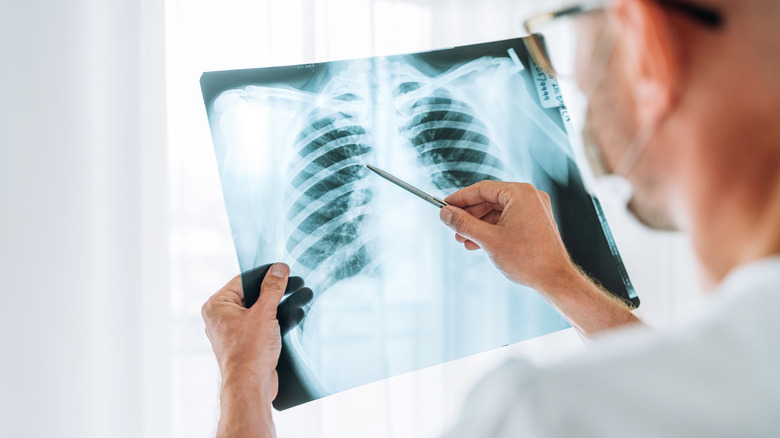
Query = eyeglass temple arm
x=705 y=15
x=537 y=20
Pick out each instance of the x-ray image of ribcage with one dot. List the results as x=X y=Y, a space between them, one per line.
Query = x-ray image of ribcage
x=450 y=141
x=393 y=291
x=329 y=194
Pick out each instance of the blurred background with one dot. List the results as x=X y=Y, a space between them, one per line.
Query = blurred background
x=113 y=230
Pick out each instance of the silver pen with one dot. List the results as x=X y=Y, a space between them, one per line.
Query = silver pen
x=408 y=187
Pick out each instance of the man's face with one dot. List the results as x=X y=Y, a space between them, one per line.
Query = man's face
x=610 y=125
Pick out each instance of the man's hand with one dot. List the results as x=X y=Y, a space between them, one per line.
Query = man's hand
x=247 y=339
x=290 y=312
x=247 y=344
x=514 y=224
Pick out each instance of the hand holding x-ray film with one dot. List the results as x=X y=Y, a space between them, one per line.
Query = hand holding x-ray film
x=392 y=291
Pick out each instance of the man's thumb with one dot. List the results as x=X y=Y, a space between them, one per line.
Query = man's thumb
x=464 y=223
x=272 y=289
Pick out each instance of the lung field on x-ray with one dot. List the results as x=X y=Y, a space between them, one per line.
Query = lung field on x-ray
x=330 y=194
x=451 y=142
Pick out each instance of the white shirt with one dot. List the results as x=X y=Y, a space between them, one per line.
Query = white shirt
x=715 y=376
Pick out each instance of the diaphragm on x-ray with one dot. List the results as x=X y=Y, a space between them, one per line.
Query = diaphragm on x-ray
x=393 y=291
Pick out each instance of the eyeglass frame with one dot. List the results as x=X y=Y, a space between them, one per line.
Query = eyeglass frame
x=707 y=16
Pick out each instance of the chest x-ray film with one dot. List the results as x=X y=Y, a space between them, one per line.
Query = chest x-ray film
x=393 y=291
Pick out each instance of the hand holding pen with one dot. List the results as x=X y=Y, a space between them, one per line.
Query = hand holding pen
x=512 y=222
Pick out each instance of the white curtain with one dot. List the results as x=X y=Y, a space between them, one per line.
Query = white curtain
x=84 y=222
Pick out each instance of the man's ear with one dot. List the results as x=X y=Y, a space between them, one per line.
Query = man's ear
x=652 y=57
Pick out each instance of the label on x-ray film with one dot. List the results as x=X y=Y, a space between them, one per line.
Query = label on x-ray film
x=547 y=87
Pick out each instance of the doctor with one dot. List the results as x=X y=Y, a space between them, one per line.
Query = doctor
x=684 y=106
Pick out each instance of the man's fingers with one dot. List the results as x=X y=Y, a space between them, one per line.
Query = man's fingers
x=482 y=209
x=290 y=312
x=468 y=244
x=464 y=224
x=492 y=218
x=289 y=320
x=471 y=246
x=272 y=289
x=483 y=191
x=253 y=279
x=297 y=300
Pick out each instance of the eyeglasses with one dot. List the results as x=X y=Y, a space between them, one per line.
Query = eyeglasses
x=555 y=50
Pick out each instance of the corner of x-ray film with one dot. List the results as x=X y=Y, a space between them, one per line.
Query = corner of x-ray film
x=393 y=290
